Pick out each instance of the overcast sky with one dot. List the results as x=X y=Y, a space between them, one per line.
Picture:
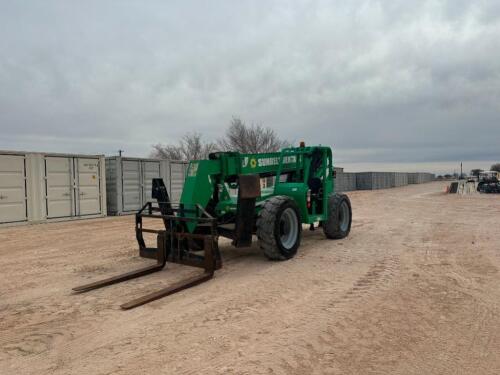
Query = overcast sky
x=394 y=84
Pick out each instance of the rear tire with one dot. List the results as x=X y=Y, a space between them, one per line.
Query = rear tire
x=338 y=224
x=279 y=228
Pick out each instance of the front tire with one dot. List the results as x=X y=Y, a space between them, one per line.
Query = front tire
x=279 y=228
x=338 y=224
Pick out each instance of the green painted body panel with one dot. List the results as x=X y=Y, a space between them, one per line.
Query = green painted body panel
x=204 y=177
x=199 y=186
x=297 y=191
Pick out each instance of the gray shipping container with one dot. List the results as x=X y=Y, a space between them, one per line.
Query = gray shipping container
x=129 y=181
x=420 y=178
x=399 y=179
x=345 y=181
x=415 y=178
x=37 y=187
x=373 y=180
x=177 y=175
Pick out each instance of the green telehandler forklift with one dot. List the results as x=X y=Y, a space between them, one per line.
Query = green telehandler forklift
x=222 y=196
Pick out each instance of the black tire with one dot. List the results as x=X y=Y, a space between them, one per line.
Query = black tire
x=338 y=225
x=279 y=228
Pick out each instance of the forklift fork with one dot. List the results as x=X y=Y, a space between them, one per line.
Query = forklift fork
x=170 y=247
x=207 y=263
x=209 y=268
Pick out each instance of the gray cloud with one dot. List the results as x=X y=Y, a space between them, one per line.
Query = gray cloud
x=381 y=81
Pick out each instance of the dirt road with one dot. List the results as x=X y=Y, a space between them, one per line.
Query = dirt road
x=415 y=289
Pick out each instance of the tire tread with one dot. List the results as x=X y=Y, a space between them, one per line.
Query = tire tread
x=331 y=227
x=266 y=225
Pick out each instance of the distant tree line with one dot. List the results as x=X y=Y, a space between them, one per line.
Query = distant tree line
x=238 y=136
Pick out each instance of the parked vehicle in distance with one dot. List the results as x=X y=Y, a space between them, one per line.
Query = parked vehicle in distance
x=489 y=182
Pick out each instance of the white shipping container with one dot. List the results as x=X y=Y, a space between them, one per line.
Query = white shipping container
x=37 y=187
x=13 y=206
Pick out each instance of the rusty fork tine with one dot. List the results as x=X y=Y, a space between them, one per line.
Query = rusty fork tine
x=174 y=288
x=209 y=266
x=119 y=278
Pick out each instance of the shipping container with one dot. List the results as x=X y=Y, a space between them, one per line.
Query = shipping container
x=415 y=178
x=399 y=179
x=177 y=175
x=129 y=181
x=37 y=187
x=373 y=180
x=420 y=178
x=13 y=204
x=345 y=181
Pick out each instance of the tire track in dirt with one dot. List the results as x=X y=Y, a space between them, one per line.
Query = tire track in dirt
x=380 y=272
x=369 y=286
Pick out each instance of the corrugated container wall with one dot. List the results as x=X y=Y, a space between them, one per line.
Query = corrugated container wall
x=345 y=181
x=37 y=187
x=415 y=178
x=177 y=175
x=373 y=180
x=420 y=178
x=129 y=181
x=399 y=179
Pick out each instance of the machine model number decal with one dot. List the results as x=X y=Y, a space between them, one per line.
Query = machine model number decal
x=267 y=162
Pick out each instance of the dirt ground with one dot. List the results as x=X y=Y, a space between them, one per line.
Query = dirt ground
x=413 y=290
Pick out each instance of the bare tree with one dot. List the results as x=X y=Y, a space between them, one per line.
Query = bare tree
x=238 y=137
x=250 y=138
x=171 y=152
x=495 y=167
x=190 y=147
x=476 y=172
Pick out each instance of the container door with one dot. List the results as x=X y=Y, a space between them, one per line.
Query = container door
x=131 y=185
x=12 y=189
x=177 y=176
x=59 y=187
x=88 y=186
x=150 y=170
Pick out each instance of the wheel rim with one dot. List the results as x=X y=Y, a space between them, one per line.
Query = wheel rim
x=344 y=216
x=289 y=227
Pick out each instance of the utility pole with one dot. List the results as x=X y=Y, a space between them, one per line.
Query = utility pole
x=461 y=171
